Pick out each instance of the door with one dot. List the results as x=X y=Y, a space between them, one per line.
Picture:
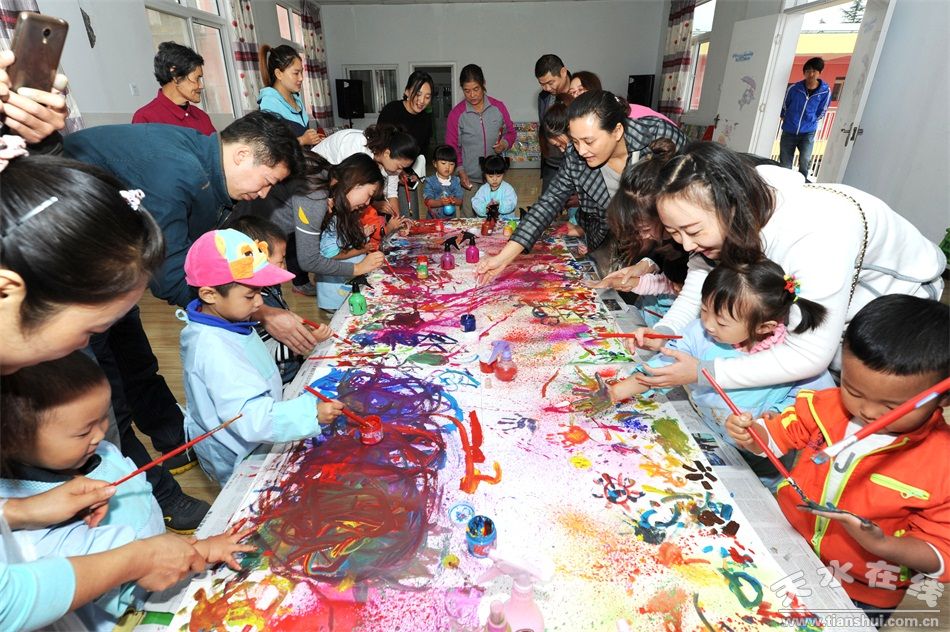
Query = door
x=760 y=57
x=443 y=75
x=857 y=85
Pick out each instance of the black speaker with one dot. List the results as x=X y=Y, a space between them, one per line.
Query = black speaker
x=640 y=90
x=349 y=98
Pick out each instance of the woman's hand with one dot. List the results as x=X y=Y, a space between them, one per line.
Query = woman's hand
x=465 y=181
x=310 y=137
x=371 y=262
x=625 y=279
x=78 y=496
x=29 y=113
x=287 y=327
x=165 y=560
x=222 y=547
x=500 y=146
x=685 y=370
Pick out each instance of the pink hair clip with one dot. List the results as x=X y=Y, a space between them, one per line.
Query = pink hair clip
x=11 y=147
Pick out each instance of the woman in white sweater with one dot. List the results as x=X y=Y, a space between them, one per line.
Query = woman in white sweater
x=845 y=248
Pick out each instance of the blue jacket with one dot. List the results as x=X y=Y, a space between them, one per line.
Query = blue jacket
x=181 y=174
x=134 y=514
x=228 y=370
x=800 y=112
x=270 y=100
x=505 y=196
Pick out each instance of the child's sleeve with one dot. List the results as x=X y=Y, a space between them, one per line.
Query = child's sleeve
x=793 y=429
x=236 y=386
x=480 y=200
x=509 y=199
x=329 y=246
x=455 y=188
x=932 y=525
x=431 y=190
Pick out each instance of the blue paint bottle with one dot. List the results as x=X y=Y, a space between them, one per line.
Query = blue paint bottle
x=468 y=322
x=480 y=536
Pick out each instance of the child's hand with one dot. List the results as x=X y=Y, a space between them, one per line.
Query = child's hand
x=371 y=262
x=222 y=547
x=322 y=332
x=573 y=230
x=368 y=230
x=739 y=428
x=328 y=411
x=396 y=223
x=625 y=389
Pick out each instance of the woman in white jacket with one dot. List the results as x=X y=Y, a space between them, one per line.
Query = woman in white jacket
x=844 y=246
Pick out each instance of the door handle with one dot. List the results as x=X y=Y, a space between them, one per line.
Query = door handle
x=852 y=133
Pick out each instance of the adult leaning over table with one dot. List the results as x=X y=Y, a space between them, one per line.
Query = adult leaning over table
x=604 y=140
x=841 y=248
x=75 y=257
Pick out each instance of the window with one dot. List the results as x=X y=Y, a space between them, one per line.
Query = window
x=836 y=90
x=190 y=23
x=699 y=50
x=290 y=24
x=379 y=85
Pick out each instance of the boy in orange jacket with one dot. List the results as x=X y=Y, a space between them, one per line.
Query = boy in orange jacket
x=899 y=478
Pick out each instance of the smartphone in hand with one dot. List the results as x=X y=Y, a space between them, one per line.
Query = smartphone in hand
x=37 y=46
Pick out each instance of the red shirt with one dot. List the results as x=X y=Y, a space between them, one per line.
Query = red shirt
x=161 y=109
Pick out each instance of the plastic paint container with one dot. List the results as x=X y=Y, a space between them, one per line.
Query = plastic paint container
x=372 y=432
x=468 y=322
x=480 y=536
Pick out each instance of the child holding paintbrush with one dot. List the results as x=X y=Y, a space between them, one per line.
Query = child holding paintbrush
x=897 y=479
x=745 y=309
x=53 y=419
x=227 y=368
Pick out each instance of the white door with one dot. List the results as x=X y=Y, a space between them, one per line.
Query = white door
x=857 y=85
x=751 y=97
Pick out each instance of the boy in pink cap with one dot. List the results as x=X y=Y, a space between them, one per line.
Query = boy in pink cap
x=227 y=368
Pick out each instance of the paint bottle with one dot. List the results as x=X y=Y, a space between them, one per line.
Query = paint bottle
x=471 y=253
x=422 y=267
x=448 y=259
x=480 y=536
x=521 y=611
x=467 y=321
x=510 y=227
x=356 y=301
x=486 y=228
x=497 y=622
x=486 y=361
x=505 y=368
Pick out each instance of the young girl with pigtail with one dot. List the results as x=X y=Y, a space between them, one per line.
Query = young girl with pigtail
x=746 y=308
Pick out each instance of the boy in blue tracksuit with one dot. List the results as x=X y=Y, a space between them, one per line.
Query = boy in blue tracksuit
x=227 y=369
x=805 y=104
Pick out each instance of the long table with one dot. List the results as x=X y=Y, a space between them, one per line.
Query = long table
x=645 y=519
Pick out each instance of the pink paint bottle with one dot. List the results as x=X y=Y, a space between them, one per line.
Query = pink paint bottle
x=448 y=260
x=471 y=253
x=497 y=622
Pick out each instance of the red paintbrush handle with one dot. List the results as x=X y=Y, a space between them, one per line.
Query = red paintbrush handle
x=176 y=451
x=313 y=325
x=651 y=336
x=755 y=437
x=903 y=409
x=346 y=411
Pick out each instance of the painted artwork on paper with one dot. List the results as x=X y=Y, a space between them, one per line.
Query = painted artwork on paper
x=620 y=500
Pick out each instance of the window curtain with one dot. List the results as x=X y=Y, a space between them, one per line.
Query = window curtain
x=316 y=88
x=244 y=49
x=676 y=60
x=9 y=9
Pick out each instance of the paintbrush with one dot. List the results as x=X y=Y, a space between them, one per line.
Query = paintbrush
x=913 y=403
x=648 y=336
x=176 y=451
x=371 y=426
x=310 y=323
x=758 y=440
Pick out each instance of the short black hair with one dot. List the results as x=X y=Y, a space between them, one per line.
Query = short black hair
x=472 y=72
x=29 y=395
x=446 y=153
x=901 y=335
x=173 y=61
x=493 y=165
x=273 y=141
x=258 y=228
x=548 y=63
x=815 y=63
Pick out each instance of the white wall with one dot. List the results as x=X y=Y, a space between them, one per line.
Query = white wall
x=903 y=156
x=613 y=39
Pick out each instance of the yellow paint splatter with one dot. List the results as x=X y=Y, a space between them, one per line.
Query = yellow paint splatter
x=451 y=560
x=580 y=461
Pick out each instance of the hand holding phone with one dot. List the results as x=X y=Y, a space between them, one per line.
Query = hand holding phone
x=37 y=45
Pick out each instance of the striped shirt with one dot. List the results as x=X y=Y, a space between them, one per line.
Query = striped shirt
x=575 y=175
